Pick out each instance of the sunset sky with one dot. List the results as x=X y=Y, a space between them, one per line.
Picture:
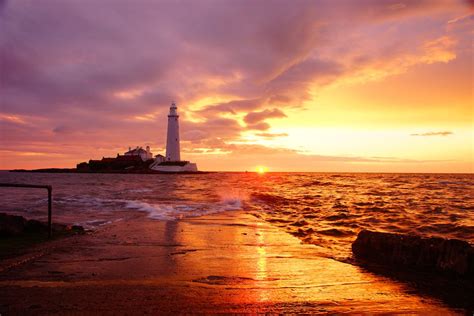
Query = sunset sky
x=369 y=85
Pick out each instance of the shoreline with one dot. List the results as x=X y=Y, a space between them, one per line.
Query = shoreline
x=75 y=171
x=225 y=262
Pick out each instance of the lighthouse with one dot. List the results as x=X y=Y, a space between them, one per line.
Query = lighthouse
x=172 y=140
x=172 y=162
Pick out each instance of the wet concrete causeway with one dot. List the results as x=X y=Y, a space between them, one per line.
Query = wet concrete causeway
x=224 y=263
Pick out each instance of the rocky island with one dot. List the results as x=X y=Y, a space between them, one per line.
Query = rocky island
x=138 y=160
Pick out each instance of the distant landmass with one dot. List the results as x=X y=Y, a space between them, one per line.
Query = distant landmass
x=119 y=164
x=138 y=160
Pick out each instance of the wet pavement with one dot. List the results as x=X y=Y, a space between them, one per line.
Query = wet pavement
x=224 y=263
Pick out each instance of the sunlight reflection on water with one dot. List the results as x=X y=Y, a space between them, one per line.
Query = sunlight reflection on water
x=319 y=208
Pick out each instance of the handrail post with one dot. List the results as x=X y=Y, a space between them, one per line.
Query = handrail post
x=50 y=199
x=50 y=221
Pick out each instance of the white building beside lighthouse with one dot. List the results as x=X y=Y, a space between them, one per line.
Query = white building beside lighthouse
x=173 y=162
x=139 y=151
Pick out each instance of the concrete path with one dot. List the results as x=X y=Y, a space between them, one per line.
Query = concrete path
x=226 y=263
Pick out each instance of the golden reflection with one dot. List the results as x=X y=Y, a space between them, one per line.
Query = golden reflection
x=261 y=275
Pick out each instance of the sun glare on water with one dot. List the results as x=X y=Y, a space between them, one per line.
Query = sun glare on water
x=261 y=169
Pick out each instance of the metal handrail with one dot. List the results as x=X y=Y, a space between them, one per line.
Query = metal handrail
x=36 y=186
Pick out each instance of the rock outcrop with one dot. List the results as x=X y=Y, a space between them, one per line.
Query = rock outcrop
x=13 y=225
x=449 y=256
x=117 y=164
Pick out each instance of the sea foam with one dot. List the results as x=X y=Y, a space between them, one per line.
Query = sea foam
x=178 y=211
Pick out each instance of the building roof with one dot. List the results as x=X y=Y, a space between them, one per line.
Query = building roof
x=129 y=158
x=136 y=151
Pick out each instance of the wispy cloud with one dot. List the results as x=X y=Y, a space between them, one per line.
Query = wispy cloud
x=443 y=133
x=271 y=135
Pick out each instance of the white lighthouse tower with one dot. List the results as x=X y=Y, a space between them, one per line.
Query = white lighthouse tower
x=172 y=140
x=172 y=162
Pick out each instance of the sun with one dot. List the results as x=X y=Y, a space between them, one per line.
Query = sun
x=261 y=169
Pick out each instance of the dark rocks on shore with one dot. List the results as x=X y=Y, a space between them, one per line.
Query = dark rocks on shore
x=446 y=256
x=13 y=225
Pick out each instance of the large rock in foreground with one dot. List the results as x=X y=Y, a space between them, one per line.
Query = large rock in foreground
x=449 y=256
x=13 y=225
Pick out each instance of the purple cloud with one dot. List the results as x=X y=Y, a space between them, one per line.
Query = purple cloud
x=101 y=74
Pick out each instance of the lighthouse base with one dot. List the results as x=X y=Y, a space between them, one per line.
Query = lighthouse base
x=174 y=166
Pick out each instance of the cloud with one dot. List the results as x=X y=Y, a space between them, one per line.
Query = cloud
x=256 y=117
x=255 y=120
x=194 y=135
x=271 y=135
x=232 y=107
x=101 y=75
x=62 y=129
x=443 y=133
x=12 y=118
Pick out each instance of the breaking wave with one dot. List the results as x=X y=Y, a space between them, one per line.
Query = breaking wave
x=178 y=211
x=160 y=211
x=102 y=208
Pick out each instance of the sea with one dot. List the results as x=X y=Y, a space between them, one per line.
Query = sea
x=327 y=210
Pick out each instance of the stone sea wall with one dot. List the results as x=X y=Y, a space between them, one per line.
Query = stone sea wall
x=438 y=255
